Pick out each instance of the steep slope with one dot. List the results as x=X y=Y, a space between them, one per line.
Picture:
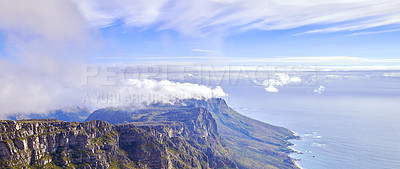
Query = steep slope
x=57 y=144
x=253 y=144
x=97 y=144
x=199 y=121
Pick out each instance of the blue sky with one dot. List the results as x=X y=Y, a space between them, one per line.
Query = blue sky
x=134 y=43
x=246 y=29
x=193 y=30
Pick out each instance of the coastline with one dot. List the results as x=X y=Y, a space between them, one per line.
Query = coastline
x=294 y=151
x=294 y=159
x=297 y=165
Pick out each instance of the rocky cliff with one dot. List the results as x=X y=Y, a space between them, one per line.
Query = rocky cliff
x=251 y=143
x=189 y=134
x=254 y=144
x=190 y=142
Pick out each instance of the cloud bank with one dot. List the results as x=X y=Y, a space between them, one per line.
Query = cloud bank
x=205 y=16
x=135 y=92
x=40 y=55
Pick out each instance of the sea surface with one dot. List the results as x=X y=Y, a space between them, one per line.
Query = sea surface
x=353 y=123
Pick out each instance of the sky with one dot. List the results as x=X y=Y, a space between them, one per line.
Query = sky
x=43 y=44
x=197 y=30
x=138 y=31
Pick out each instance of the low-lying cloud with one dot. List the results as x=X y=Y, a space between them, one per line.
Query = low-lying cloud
x=40 y=55
x=135 y=92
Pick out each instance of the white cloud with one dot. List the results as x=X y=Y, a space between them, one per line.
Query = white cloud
x=201 y=50
x=319 y=90
x=204 y=16
x=279 y=80
x=322 y=63
x=374 y=32
x=131 y=12
x=172 y=91
x=174 y=58
x=271 y=89
x=135 y=92
x=40 y=68
x=318 y=144
x=315 y=59
x=52 y=20
x=366 y=24
x=395 y=74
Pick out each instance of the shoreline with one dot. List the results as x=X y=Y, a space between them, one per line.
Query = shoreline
x=294 y=159
x=294 y=151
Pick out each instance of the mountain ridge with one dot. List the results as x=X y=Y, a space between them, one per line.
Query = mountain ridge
x=194 y=143
x=254 y=144
x=212 y=135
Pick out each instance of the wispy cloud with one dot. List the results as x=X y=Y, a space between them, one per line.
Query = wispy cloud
x=201 y=50
x=174 y=58
x=287 y=60
x=365 y=23
x=375 y=32
x=314 y=60
x=205 y=16
x=312 y=63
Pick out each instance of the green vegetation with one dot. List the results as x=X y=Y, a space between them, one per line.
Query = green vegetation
x=108 y=137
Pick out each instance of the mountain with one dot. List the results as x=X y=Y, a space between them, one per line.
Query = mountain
x=189 y=141
x=251 y=143
x=71 y=114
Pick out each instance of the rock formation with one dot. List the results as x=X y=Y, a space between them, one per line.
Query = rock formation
x=192 y=142
x=251 y=143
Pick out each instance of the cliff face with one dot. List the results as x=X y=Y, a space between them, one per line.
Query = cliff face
x=189 y=134
x=192 y=142
x=251 y=143
x=51 y=143
x=254 y=144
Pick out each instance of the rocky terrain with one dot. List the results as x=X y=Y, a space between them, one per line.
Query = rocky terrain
x=188 y=134
x=189 y=141
x=253 y=144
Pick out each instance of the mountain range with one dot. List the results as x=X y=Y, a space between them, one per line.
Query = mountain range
x=187 y=134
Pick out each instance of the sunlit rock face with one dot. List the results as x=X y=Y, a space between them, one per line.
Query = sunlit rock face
x=269 y=144
x=191 y=141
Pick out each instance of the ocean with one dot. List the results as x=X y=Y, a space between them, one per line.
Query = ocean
x=353 y=123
